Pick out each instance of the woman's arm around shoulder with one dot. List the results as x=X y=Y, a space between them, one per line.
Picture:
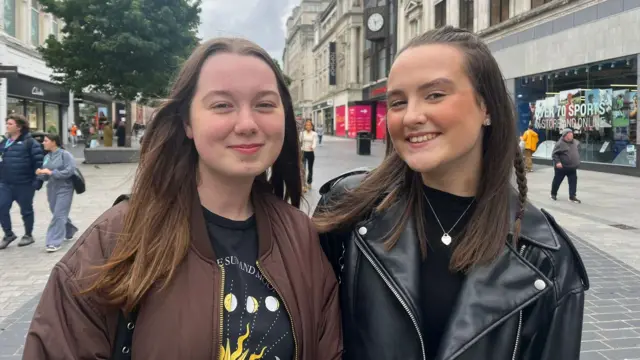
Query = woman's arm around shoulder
x=561 y=334
x=330 y=325
x=66 y=323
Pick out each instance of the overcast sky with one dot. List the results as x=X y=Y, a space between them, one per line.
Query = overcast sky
x=262 y=21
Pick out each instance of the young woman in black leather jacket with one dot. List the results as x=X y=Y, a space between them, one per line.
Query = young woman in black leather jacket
x=439 y=257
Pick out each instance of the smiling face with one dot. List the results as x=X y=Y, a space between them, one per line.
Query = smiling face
x=237 y=118
x=434 y=115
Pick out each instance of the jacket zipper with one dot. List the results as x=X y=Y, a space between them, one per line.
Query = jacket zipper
x=221 y=333
x=397 y=295
x=519 y=331
x=286 y=307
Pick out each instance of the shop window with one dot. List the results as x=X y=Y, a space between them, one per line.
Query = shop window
x=35 y=23
x=441 y=13
x=35 y=115
x=466 y=14
x=51 y=118
x=536 y=3
x=499 y=11
x=15 y=106
x=10 y=17
x=598 y=101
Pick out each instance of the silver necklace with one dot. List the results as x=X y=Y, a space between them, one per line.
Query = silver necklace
x=446 y=238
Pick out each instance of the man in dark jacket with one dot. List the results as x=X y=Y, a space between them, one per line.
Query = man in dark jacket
x=20 y=156
x=566 y=160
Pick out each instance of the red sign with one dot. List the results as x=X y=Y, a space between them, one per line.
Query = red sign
x=381 y=120
x=340 y=123
x=359 y=119
x=378 y=91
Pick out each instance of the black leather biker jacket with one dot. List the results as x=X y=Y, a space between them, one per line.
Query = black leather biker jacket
x=528 y=304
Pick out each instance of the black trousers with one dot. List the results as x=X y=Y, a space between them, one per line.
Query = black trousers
x=308 y=157
x=558 y=177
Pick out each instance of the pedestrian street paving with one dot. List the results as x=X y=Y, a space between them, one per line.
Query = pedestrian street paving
x=605 y=228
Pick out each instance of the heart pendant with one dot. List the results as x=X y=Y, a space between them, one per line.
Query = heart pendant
x=446 y=239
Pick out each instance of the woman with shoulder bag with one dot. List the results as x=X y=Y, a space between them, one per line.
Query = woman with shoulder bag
x=57 y=170
x=210 y=257
x=439 y=257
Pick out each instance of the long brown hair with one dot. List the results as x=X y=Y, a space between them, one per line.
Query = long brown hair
x=393 y=181
x=156 y=234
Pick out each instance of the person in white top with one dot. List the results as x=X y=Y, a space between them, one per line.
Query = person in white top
x=309 y=141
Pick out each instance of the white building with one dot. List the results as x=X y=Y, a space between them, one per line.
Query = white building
x=298 y=57
x=25 y=79
x=25 y=85
x=337 y=63
x=558 y=58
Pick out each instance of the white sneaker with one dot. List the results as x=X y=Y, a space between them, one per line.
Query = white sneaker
x=52 y=248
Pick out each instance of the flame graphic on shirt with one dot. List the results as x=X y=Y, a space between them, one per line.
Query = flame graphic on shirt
x=240 y=353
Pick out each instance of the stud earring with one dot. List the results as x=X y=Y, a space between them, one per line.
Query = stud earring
x=487 y=121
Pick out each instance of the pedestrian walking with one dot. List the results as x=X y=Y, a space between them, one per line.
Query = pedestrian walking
x=73 y=134
x=566 y=161
x=107 y=130
x=206 y=243
x=320 y=132
x=121 y=134
x=57 y=170
x=530 y=139
x=451 y=260
x=20 y=156
x=309 y=141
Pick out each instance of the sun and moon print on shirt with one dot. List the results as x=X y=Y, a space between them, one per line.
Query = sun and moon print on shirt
x=240 y=320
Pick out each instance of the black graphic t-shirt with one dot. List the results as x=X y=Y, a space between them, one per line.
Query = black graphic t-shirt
x=255 y=322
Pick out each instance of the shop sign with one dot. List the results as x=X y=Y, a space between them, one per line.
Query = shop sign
x=37 y=91
x=582 y=109
x=332 y=63
x=323 y=105
x=30 y=88
x=8 y=71
x=379 y=91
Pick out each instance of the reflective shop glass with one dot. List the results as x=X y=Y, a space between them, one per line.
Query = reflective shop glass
x=598 y=101
x=35 y=115
x=51 y=118
x=15 y=106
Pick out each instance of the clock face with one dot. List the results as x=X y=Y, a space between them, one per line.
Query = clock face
x=375 y=22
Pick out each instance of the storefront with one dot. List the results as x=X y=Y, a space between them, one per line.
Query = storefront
x=41 y=102
x=323 y=114
x=599 y=101
x=93 y=108
x=376 y=98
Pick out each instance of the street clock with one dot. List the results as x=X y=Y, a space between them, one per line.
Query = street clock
x=375 y=22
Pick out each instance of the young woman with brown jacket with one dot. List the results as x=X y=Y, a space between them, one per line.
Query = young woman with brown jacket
x=210 y=257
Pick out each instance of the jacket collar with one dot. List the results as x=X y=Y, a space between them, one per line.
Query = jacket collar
x=498 y=290
x=262 y=206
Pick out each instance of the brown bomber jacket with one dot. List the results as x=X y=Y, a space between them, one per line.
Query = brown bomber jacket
x=182 y=321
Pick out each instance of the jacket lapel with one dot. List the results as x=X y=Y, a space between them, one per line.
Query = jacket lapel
x=489 y=296
x=401 y=264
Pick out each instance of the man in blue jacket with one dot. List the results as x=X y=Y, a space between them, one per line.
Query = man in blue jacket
x=20 y=157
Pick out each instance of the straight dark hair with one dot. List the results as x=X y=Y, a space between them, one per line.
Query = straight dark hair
x=56 y=139
x=157 y=232
x=394 y=182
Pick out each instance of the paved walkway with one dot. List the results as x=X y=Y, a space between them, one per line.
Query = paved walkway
x=611 y=254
